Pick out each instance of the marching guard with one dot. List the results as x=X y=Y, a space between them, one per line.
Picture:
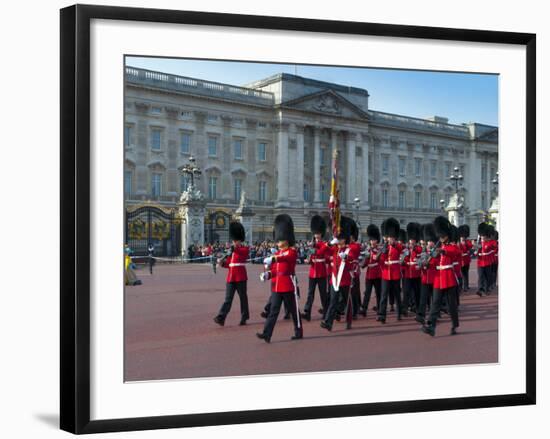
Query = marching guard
x=485 y=259
x=445 y=281
x=466 y=249
x=284 y=287
x=391 y=268
x=355 y=253
x=371 y=264
x=235 y=261
x=411 y=269
x=427 y=261
x=318 y=266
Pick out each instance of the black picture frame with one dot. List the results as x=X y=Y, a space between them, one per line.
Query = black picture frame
x=75 y=216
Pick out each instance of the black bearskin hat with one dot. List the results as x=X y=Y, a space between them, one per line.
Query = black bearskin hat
x=383 y=228
x=318 y=225
x=413 y=231
x=464 y=231
x=483 y=229
x=402 y=235
x=428 y=232
x=373 y=232
x=236 y=231
x=354 y=230
x=390 y=227
x=442 y=227
x=345 y=228
x=283 y=229
x=491 y=231
x=454 y=237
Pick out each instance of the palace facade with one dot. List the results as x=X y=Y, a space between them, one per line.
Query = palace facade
x=273 y=140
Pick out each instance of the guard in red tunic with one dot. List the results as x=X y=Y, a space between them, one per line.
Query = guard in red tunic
x=466 y=250
x=284 y=287
x=445 y=281
x=457 y=263
x=390 y=260
x=411 y=269
x=342 y=257
x=495 y=263
x=427 y=260
x=236 y=279
x=355 y=254
x=373 y=272
x=318 y=266
x=485 y=258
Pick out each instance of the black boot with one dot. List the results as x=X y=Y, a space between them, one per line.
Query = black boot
x=430 y=330
x=264 y=337
x=219 y=320
x=306 y=316
x=326 y=326
x=453 y=331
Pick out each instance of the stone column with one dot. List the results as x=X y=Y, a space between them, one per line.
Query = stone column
x=225 y=155
x=352 y=190
x=316 y=165
x=300 y=162
x=191 y=209
x=252 y=157
x=474 y=188
x=365 y=189
x=282 y=165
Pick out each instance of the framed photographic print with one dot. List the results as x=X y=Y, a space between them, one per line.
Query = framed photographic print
x=259 y=213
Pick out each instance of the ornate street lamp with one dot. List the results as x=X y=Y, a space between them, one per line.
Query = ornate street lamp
x=456 y=177
x=191 y=170
x=357 y=202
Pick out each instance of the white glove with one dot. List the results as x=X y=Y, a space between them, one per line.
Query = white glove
x=273 y=251
x=342 y=255
x=266 y=275
x=268 y=261
x=334 y=241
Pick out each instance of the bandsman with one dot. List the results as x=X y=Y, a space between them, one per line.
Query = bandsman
x=235 y=262
x=428 y=261
x=466 y=249
x=411 y=269
x=355 y=254
x=373 y=272
x=485 y=259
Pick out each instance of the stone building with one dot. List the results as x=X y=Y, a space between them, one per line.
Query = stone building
x=274 y=138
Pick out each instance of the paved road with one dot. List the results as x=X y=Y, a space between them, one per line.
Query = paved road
x=169 y=332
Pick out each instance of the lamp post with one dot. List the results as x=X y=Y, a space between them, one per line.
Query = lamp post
x=191 y=170
x=456 y=177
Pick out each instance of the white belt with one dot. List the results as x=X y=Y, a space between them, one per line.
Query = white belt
x=317 y=260
x=486 y=254
x=392 y=262
x=455 y=263
x=413 y=263
x=237 y=264
x=464 y=254
x=443 y=267
x=373 y=265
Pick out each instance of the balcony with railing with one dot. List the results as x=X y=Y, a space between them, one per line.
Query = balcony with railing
x=166 y=81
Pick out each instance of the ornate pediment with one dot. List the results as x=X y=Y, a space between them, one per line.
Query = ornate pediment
x=326 y=102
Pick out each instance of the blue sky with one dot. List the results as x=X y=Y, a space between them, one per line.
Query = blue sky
x=461 y=97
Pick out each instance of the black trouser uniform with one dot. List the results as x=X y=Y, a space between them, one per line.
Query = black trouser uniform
x=321 y=284
x=276 y=300
x=437 y=296
x=411 y=296
x=484 y=281
x=151 y=262
x=355 y=294
x=336 y=299
x=369 y=285
x=389 y=287
x=230 y=288
x=465 y=277
x=426 y=291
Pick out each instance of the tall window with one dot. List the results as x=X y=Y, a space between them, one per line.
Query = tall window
x=155 y=139
x=484 y=173
x=212 y=188
x=306 y=192
x=237 y=188
x=156 y=185
x=324 y=195
x=462 y=170
x=417 y=199
x=323 y=156
x=385 y=164
x=447 y=170
x=262 y=151
x=433 y=168
x=212 y=146
x=127 y=135
x=418 y=167
x=385 y=198
x=402 y=166
x=238 y=149
x=185 y=181
x=401 y=199
x=433 y=200
x=262 y=190
x=128 y=182
x=185 y=143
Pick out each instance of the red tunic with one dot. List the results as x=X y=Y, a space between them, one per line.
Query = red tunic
x=318 y=260
x=411 y=270
x=237 y=264
x=354 y=254
x=465 y=248
x=428 y=273
x=345 y=281
x=282 y=270
x=390 y=263
x=372 y=267
x=457 y=263
x=445 y=276
x=486 y=253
